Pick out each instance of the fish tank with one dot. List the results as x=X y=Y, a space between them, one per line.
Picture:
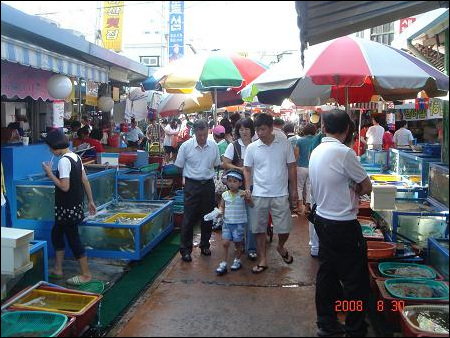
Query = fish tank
x=405 y=188
x=377 y=157
x=136 y=185
x=415 y=220
x=416 y=165
x=438 y=183
x=127 y=229
x=438 y=255
x=35 y=197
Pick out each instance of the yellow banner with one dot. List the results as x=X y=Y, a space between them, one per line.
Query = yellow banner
x=116 y=96
x=91 y=93
x=112 y=25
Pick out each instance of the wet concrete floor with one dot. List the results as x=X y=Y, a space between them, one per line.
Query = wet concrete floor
x=189 y=299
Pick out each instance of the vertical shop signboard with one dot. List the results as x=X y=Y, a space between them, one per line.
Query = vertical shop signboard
x=112 y=25
x=436 y=108
x=116 y=94
x=58 y=114
x=91 y=93
x=176 y=30
x=390 y=121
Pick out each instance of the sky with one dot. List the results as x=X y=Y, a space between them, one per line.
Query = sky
x=240 y=26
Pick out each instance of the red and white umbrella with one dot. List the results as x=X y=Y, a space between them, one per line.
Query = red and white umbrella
x=348 y=70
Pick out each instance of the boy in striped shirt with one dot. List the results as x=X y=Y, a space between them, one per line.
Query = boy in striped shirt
x=232 y=207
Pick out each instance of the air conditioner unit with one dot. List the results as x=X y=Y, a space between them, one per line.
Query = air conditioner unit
x=151 y=61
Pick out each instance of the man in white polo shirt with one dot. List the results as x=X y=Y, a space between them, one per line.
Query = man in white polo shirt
x=198 y=157
x=271 y=162
x=375 y=135
x=403 y=138
x=337 y=181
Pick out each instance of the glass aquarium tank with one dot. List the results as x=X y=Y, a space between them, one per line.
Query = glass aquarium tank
x=136 y=185
x=438 y=186
x=35 y=198
x=35 y=202
x=416 y=165
x=127 y=229
x=438 y=255
x=415 y=220
x=378 y=157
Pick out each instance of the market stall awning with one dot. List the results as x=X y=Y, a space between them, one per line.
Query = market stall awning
x=321 y=21
x=36 y=57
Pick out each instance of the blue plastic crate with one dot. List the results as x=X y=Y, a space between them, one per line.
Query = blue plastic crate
x=432 y=149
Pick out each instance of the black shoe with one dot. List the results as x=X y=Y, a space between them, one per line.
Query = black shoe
x=338 y=330
x=205 y=251
x=186 y=257
x=252 y=255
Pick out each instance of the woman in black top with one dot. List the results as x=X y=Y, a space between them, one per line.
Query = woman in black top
x=70 y=184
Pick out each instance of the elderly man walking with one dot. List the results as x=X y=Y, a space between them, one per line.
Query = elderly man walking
x=198 y=158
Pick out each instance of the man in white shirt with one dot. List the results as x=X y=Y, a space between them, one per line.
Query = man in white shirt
x=278 y=125
x=198 y=157
x=337 y=181
x=375 y=135
x=134 y=136
x=270 y=163
x=403 y=138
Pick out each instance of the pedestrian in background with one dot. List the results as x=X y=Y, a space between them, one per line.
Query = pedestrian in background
x=375 y=134
x=302 y=152
x=403 y=138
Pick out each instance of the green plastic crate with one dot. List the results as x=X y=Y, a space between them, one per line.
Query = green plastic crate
x=439 y=289
x=423 y=271
x=32 y=324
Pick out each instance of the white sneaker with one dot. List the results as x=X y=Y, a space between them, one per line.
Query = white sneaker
x=236 y=264
x=222 y=269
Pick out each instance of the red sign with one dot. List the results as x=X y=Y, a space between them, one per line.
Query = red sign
x=404 y=23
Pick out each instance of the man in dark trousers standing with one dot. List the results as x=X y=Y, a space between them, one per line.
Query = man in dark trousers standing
x=198 y=158
x=337 y=181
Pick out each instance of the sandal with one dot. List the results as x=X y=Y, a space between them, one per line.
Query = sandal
x=288 y=259
x=259 y=268
x=53 y=275
x=77 y=281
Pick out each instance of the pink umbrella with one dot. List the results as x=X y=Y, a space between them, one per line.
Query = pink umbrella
x=348 y=70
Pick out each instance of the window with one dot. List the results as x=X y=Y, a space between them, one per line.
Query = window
x=383 y=34
x=150 y=61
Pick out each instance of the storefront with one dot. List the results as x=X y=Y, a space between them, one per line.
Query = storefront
x=33 y=50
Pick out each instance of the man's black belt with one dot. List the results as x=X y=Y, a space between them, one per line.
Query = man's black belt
x=202 y=182
x=334 y=222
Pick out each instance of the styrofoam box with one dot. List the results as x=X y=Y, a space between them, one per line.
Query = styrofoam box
x=383 y=197
x=109 y=158
x=15 y=249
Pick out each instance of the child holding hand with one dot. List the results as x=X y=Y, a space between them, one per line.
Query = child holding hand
x=232 y=207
